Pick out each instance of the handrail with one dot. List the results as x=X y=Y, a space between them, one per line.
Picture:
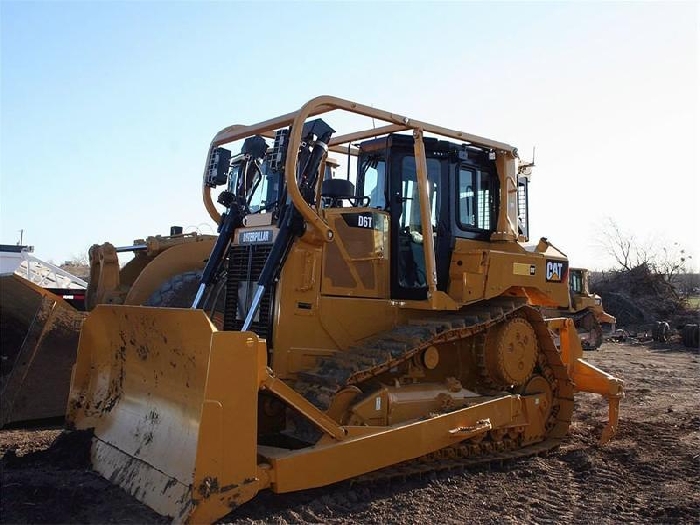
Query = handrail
x=325 y=104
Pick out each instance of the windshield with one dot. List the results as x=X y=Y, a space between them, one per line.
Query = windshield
x=262 y=195
x=576 y=282
x=373 y=181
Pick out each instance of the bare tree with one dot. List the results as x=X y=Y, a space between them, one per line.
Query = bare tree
x=670 y=261
x=621 y=246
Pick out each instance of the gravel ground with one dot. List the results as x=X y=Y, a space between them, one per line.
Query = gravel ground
x=649 y=473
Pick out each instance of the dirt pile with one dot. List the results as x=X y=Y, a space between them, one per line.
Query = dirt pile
x=639 y=297
x=70 y=450
x=79 y=269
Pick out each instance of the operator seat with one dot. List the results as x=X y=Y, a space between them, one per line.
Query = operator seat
x=335 y=191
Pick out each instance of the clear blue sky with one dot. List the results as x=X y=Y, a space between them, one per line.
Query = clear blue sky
x=107 y=109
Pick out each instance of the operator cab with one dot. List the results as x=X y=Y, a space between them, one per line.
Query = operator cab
x=576 y=281
x=463 y=191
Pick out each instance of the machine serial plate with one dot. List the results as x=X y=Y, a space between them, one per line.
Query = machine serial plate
x=523 y=269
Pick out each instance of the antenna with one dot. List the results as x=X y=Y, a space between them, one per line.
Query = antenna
x=348 y=173
x=526 y=167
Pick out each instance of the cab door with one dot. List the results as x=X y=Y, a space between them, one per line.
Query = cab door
x=408 y=277
x=355 y=264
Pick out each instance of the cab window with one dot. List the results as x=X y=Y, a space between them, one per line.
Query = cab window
x=575 y=282
x=410 y=214
x=475 y=199
x=373 y=181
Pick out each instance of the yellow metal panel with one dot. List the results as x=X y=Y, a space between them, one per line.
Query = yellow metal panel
x=425 y=215
x=357 y=262
x=349 y=320
x=507 y=224
x=585 y=376
x=321 y=324
x=171 y=262
x=104 y=283
x=173 y=404
x=226 y=467
x=478 y=271
x=139 y=381
x=501 y=277
x=325 y=464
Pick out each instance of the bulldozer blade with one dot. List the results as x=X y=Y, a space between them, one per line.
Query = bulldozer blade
x=38 y=340
x=173 y=407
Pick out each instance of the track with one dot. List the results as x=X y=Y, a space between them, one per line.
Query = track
x=359 y=365
x=461 y=457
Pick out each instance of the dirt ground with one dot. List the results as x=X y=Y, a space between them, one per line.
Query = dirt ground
x=649 y=473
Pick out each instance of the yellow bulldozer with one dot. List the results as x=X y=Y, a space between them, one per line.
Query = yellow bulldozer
x=339 y=328
x=591 y=320
x=39 y=325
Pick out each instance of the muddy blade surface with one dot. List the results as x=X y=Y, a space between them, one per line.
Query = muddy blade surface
x=156 y=385
x=38 y=339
